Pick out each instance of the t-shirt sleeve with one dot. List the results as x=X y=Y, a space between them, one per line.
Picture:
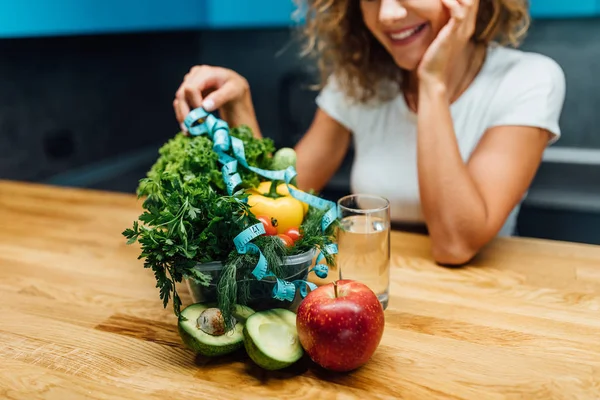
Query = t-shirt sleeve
x=532 y=94
x=334 y=102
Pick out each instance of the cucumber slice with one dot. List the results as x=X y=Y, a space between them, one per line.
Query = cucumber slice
x=206 y=337
x=271 y=339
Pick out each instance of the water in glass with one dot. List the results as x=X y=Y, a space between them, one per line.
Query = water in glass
x=364 y=252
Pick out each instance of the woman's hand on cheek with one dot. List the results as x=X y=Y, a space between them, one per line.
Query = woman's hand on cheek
x=450 y=41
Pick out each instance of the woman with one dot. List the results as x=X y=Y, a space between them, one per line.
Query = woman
x=448 y=123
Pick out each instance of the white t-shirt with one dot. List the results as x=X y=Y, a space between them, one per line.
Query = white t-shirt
x=512 y=88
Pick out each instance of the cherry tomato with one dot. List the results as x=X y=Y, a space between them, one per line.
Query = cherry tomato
x=294 y=234
x=287 y=241
x=267 y=222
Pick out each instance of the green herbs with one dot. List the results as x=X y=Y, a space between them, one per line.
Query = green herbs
x=186 y=228
x=189 y=218
x=193 y=163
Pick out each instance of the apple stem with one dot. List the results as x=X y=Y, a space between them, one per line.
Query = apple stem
x=335 y=289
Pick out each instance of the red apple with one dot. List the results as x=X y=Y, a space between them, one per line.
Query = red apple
x=340 y=325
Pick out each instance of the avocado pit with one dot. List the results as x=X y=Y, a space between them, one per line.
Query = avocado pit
x=211 y=322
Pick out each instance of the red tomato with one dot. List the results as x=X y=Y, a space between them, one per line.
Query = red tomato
x=286 y=240
x=268 y=224
x=294 y=234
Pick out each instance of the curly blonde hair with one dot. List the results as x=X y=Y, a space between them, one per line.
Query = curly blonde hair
x=337 y=36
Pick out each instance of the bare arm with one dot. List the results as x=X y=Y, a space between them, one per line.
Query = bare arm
x=321 y=151
x=466 y=204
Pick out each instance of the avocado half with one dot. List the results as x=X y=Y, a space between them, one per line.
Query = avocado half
x=271 y=339
x=208 y=344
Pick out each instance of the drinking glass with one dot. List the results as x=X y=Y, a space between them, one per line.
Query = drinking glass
x=364 y=242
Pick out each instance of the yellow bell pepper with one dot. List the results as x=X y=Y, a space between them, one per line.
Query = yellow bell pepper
x=285 y=211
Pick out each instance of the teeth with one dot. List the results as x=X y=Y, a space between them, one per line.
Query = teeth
x=405 y=34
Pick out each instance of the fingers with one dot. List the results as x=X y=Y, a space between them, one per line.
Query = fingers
x=190 y=94
x=210 y=88
x=457 y=11
x=193 y=85
x=464 y=13
x=180 y=104
x=200 y=81
x=471 y=8
x=229 y=92
x=181 y=110
x=462 y=9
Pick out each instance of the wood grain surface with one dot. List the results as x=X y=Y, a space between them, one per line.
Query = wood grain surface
x=81 y=318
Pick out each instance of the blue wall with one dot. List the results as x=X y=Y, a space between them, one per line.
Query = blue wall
x=19 y=18
x=564 y=8
x=249 y=13
x=25 y=18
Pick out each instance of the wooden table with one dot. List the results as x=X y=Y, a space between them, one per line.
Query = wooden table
x=82 y=319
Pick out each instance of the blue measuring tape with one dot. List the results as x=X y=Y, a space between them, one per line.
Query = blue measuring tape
x=199 y=122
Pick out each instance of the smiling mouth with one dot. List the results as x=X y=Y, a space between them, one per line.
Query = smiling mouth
x=407 y=34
